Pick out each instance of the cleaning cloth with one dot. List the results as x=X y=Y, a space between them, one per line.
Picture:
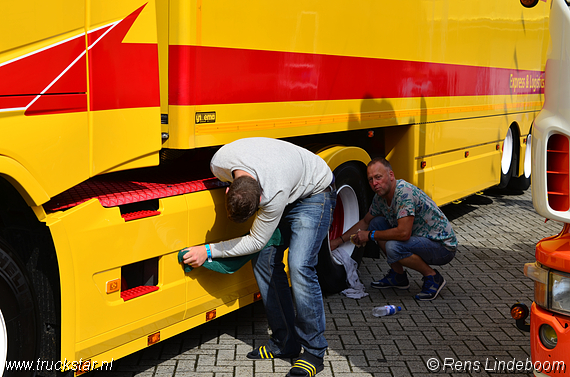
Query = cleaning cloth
x=231 y=264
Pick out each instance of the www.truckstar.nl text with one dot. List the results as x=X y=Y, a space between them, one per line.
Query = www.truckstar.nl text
x=61 y=365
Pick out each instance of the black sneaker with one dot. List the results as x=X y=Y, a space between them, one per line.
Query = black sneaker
x=306 y=366
x=392 y=280
x=263 y=353
x=432 y=285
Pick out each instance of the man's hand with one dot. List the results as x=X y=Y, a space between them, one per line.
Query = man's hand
x=360 y=238
x=196 y=256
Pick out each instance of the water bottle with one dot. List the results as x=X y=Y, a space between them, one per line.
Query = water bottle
x=381 y=311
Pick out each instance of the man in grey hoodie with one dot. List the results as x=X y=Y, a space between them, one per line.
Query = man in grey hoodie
x=289 y=187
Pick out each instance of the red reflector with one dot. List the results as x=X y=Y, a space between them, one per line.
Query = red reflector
x=423 y=164
x=138 y=291
x=139 y=215
x=154 y=338
x=211 y=315
x=257 y=296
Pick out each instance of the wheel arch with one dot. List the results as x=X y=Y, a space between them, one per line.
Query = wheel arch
x=23 y=181
x=337 y=155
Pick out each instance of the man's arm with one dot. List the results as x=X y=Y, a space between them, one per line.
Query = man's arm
x=262 y=229
x=345 y=237
x=402 y=232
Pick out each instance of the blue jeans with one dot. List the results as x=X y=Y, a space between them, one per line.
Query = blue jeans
x=432 y=252
x=303 y=226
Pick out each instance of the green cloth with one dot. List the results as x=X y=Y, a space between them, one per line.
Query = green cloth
x=232 y=264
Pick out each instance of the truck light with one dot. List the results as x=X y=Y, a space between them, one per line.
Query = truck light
x=113 y=286
x=210 y=315
x=560 y=292
x=519 y=311
x=551 y=288
x=153 y=338
x=540 y=277
x=548 y=336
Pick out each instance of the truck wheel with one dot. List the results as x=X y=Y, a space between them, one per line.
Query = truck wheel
x=353 y=199
x=523 y=182
x=508 y=159
x=18 y=323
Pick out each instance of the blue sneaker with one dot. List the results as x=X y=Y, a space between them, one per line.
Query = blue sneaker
x=392 y=280
x=432 y=285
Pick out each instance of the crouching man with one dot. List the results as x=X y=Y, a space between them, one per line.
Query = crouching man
x=409 y=228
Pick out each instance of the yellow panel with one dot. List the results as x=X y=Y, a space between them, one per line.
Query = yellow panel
x=162 y=19
x=170 y=331
x=52 y=148
x=26 y=25
x=456 y=176
x=181 y=136
x=103 y=12
x=99 y=243
x=482 y=33
x=437 y=31
x=125 y=139
x=288 y=119
x=144 y=29
x=90 y=230
x=449 y=175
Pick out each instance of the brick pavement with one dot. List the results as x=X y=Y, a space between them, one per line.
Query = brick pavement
x=468 y=323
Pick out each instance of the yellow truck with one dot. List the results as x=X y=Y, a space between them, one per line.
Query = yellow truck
x=111 y=110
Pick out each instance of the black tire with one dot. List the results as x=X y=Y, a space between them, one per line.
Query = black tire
x=519 y=183
x=19 y=312
x=529 y=3
x=350 y=176
x=508 y=165
x=523 y=181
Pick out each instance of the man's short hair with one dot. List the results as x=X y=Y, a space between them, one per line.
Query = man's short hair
x=381 y=160
x=242 y=199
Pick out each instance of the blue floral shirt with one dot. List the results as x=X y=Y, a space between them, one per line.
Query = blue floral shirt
x=429 y=221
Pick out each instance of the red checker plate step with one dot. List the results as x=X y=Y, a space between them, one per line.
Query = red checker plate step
x=138 y=291
x=139 y=215
x=115 y=190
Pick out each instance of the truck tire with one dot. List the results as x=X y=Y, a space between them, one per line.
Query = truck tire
x=508 y=159
x=353 y=200
x=18 y=317
x=523 y=181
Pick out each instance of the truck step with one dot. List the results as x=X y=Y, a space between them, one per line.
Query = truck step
x=117 y=190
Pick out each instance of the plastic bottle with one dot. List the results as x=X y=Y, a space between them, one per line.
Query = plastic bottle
x=382 y=311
